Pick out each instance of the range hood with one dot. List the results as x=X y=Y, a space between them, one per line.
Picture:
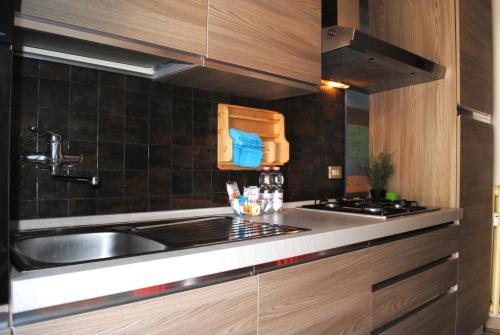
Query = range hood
x=351 y=56
x=360 y=60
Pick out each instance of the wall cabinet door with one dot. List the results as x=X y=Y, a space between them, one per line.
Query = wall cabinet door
x=174 y=24
x=328 y=296
x=281 y=37
x=227 y=308
x=476 y=54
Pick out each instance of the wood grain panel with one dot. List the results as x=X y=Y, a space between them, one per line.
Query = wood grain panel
x=219 y=78
x=357 y=184
x=436 y=319
x=282 y=37
x=476 y=180
x=394 y=258
x=179 y=25
x=228 y=308
x=328 y=296
x=348 y=13
x=476 y=54
x=74 y=40
x=418 y=123
x=395 y=300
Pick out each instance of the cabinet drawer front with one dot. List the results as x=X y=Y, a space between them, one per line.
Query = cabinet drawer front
x=227 y=308
x=179 y=25
x=328 y=296
x=400 y=256
x=395 y=300
x=437 y=319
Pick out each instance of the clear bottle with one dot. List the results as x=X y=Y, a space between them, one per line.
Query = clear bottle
x=266 y=190
x=278 y=181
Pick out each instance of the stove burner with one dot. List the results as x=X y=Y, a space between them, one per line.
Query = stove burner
x=363 y=206
x=372 y=209
x=332 y=205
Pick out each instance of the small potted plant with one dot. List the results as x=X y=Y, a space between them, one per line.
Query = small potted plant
x=378 y=171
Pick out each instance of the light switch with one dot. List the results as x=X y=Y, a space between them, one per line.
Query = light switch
x=335 y=172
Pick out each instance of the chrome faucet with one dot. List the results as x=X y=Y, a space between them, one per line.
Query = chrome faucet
x=55 y=159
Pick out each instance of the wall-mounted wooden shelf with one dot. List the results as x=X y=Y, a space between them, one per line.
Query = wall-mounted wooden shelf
x=269 y=125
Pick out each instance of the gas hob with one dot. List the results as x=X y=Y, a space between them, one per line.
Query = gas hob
x=369 y=208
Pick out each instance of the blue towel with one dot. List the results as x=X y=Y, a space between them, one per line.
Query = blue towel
x=247 y=148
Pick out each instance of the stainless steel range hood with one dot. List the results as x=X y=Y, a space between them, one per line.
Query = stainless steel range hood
x=360 y=60
x=351 y=56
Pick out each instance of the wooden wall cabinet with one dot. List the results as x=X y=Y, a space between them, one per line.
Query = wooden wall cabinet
x=475 y=61
x=261 y=49
x=328 y=296
x=179 y=25
x=227 y=308
x=275 y=36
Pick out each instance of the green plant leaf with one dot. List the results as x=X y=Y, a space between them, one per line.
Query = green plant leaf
x=379 y=170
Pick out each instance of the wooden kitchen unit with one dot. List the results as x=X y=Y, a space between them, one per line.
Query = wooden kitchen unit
x=410 y=276
x=277 y=37
x=475 y=56
x=179 y=25
x=328 y=296
x=418 y=123
x=227 y=308
x=441 y=159
x=177 y=61
x=348 y=293
x=253 y=49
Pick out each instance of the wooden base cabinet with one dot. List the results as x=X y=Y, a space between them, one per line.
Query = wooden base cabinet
x=412 y=278
x=438 y=318
x=404 y=285
x=328 y=296
x=394 y=301
x=227 y=308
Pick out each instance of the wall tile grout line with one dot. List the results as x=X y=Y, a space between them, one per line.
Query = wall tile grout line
x=98 y=137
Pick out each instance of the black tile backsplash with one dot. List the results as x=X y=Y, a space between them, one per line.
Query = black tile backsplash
x=153 y=145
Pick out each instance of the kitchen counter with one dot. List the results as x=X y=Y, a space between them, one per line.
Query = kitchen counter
x=40 y=289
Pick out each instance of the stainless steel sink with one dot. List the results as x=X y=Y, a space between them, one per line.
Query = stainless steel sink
x=81 y=247
x=57 y=247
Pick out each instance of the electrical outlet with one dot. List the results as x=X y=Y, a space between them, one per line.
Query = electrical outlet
x=335 y=172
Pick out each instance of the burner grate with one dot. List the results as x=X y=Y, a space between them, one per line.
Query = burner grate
x=368 y=207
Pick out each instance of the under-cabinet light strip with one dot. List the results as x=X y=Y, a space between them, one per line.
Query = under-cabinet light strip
x=34 y=52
